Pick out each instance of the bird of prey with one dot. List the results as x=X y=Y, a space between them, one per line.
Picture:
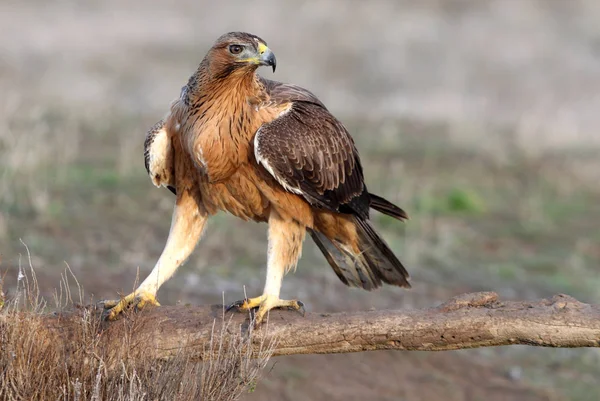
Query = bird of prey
x=270 y=152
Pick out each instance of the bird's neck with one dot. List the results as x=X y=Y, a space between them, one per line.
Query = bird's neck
x=235 y=86
x=217 y=119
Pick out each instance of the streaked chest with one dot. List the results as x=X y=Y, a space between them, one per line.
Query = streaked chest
x=219 y=138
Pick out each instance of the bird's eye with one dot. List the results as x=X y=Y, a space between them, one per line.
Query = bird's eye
x=235 y=49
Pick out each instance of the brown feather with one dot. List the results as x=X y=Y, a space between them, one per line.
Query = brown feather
x=388 y=208
x=311 y=153
x=254 y=147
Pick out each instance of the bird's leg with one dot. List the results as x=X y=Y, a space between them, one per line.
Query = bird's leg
x=187 y=224
x=285 y=246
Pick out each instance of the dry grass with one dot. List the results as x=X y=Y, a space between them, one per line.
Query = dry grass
x=33 y=367
x=460 y=118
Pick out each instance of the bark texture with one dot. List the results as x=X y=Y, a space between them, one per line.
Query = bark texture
x=467 y=321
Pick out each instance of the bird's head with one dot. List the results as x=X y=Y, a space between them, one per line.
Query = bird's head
x=239 y=52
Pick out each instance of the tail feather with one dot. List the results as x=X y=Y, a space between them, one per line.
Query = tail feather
x=352 y=269
x=388 y=208
x=379 y=255
x=374 y=264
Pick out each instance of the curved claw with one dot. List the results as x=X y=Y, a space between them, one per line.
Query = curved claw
x=239 y=305
x=138 y=301
x=300 y=308
x=264 y=304
x=247 y=304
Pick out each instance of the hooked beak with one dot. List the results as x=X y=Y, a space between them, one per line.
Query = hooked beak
x=266 y=56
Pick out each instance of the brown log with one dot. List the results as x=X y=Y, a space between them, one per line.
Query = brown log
x=467 y=321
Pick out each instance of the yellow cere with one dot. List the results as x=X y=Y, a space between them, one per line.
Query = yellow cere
x=262 y=48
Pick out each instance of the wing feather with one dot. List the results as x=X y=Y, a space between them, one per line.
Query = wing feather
x=309 y=152
x=158 y=156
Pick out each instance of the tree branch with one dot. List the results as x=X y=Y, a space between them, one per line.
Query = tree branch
x=467 y=321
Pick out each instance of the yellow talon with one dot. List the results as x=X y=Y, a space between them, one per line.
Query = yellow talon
x=252 y=303
x=265 y=303
x=138 y=300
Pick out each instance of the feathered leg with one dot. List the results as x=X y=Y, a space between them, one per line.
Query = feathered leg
x=285 y=246
x=187 y=225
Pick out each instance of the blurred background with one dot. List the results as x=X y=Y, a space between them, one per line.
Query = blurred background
x=478 y=117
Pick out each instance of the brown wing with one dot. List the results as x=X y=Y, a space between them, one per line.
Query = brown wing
x=284 y=93
x=158 y=156
x=310 y=153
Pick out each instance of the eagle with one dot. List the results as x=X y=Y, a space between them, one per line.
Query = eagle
x=270 y=152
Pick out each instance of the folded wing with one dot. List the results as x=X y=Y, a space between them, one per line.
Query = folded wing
x=310 y=153
x=158 y=156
